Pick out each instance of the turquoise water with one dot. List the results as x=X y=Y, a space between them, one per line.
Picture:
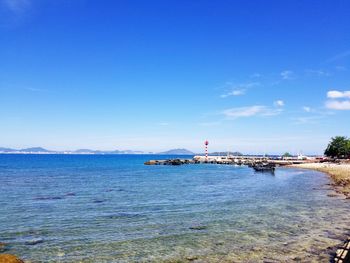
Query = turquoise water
x=112 y=208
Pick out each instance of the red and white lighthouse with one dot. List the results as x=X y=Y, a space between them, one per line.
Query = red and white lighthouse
x=206 y=150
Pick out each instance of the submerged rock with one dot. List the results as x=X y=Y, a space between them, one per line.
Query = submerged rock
x=98 y=201
x=61 y=254
x=34 y=241
x=332 y=195
x=191 y=258
x=8 y=258
x=42 y=198
x=2 y=247
x=124 y=215
x=198 y=227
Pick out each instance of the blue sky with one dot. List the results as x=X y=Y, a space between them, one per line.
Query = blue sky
x=251 y=76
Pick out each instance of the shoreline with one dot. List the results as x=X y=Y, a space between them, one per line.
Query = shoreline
x=339 y=174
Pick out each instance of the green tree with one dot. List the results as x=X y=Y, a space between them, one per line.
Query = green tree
x=339 y=147
x=287 y=154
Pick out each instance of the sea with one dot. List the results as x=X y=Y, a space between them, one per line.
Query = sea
x=113 y=208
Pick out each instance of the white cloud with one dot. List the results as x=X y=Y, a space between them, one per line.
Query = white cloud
x=339 y=100
x=338 y=105
x=163 y=124
x=335 y=94
x=279 y=103
x=257 y=110
x=307 y=109
x=287 y=74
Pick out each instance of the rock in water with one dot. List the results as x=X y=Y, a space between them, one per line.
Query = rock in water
x=199 y=227
x=34 y=241
x=176 y=162
x=151 y=162
x=7 y=258
x=2 y=247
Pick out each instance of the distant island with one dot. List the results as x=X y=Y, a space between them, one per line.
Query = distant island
x=40 y=150
x=177 y=152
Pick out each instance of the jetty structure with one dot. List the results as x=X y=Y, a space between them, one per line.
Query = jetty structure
x=259 y=163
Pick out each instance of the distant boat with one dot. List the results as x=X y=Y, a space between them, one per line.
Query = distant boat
x=264 y=168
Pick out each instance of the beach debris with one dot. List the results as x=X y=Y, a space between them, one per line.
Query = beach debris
x=342 y=254
x=34 y=241
x=8 y=258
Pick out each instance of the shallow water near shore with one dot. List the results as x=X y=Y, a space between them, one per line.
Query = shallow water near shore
x=112 y=208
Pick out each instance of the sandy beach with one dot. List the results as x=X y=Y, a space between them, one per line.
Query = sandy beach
x=340 y=174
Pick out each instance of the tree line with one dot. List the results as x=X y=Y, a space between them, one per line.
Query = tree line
x=338 y=147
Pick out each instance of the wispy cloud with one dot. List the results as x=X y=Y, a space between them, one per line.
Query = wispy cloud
x=339 y=56
x=307 y=109
x=255 y=76
x=36 y=89
x=235 y=92
x=279 y=103
x=287 y=74
x=163 y=124
x=317 y=72
x=308 y=120
x=238 y=89
x=250 y=111
x=17 y=6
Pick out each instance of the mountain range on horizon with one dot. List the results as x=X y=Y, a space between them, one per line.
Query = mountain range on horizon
x=40 y=150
